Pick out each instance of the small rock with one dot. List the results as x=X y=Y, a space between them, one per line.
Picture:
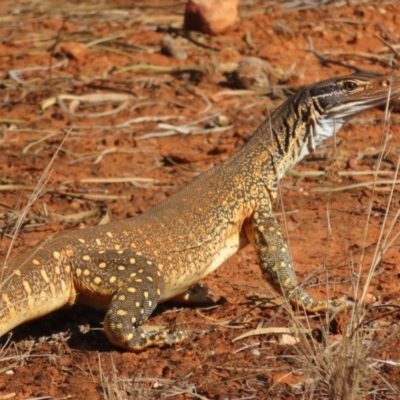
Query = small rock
x=210 y=16
x=352 y=163
x=256 y=352
x=170 y=48
x=252 y=73
x=74 y=50
x=221 y=120
x=369 y=298
x=287 y=340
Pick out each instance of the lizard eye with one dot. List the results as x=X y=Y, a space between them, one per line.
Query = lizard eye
x=350 y=85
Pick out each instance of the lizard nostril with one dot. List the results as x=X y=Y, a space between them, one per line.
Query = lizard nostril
x=386 y=82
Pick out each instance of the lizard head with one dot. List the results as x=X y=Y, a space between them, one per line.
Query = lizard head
x=342 y=98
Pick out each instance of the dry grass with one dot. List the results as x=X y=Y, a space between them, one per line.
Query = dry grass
x=344 y=368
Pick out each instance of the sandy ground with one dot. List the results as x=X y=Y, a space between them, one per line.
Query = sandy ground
x=97 y=161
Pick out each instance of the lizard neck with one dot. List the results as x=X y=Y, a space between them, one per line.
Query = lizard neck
x=293 y=130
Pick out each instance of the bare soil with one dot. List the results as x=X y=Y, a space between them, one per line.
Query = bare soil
x=332 y=221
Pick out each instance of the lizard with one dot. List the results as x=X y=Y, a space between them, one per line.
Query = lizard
x=128 y=267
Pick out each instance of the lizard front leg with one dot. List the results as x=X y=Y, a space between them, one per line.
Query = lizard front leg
x=276 y=264
x=130 y=307
x=135 y=285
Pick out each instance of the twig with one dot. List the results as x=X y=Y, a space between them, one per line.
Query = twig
x=185 y=129
x=91 y=115
x=394 y=51
x=54 y=49
x=73 y=217
x=140 y=120
x=158 y=69
x=358 y=185
x=360 y=54
x=105 y=39
x=325 y=61
x=303 y=174
x=14 y=74
x=120 y=179
x=191 y=132
x=268 y=331
x=89 y=98
x=43 y=139
x=111 y=150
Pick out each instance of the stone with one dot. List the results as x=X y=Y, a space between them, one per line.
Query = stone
x=210 y=16
x=252 y=73
x=74 y=50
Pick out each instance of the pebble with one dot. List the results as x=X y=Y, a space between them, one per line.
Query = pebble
x=75 y=50
x=169 y=47
x=252 y=73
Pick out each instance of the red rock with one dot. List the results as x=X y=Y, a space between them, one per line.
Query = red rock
x=369 y=298
x=74 y=50
x=210 y=16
